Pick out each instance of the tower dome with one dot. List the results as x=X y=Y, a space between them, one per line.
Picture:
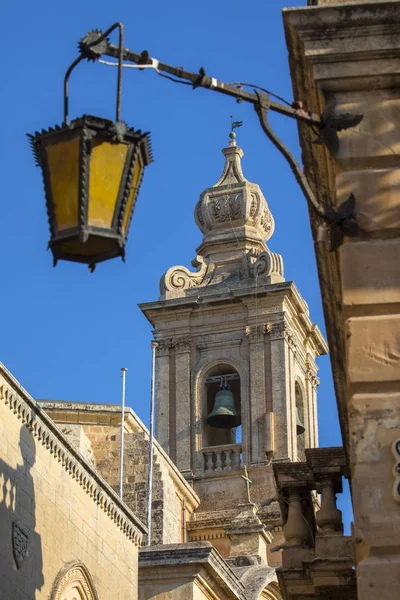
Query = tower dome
x=233 y=210
x=236 y=222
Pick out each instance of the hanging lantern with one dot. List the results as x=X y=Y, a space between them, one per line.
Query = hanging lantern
x=92 y=171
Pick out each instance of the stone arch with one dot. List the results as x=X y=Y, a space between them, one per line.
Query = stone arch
x=199 y=400
x=260 y=582
x=74 y=582
x=301 y=410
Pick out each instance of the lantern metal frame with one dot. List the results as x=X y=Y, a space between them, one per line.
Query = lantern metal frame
x=88 y=128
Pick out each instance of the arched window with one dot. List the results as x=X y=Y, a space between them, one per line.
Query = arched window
x=301 y=437
x=217 y=377
x=74 y=582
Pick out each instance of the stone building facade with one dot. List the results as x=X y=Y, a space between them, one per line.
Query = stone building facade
x=64 y=533
x=351 y=51
x=235 y=321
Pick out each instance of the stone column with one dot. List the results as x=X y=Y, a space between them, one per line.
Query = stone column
x=279 y=352
x=183 y=404
x=256 y=339
x=162 y=393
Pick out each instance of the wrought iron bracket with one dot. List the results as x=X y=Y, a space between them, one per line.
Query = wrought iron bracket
x=335 y=224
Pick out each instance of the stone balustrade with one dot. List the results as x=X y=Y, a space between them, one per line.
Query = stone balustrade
x=218 y=459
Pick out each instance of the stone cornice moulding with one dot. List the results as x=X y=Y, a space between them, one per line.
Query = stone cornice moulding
x=349 y=33
x=29 y=412
x=175 y=556
x=110 y=414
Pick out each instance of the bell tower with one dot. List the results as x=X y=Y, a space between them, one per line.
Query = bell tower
x=236 y=378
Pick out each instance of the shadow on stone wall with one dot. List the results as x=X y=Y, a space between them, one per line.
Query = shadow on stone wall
x=21 y=547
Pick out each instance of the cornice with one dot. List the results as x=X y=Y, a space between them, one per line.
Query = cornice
x=28 y=411
x=175 y=556
x=110 y=414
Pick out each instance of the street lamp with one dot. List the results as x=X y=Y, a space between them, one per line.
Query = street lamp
x=92 y=168
x=92 y=171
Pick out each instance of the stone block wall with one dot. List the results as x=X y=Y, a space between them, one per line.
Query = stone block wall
x=173 y=499
x=59 y=521
x=351 y=49
x=166 y=505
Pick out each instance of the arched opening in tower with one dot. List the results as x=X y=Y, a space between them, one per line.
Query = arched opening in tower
x=222 y=414
x=301 y=436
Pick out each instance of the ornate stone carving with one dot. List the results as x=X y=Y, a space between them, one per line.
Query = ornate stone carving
x=163 y=347
x=179 y=279
x=234 y=199
x=282 y=330
x=267 y=222
x=254 y=204
x=74 y=581
x=226 y=207
x=20 y=542
x=182 y=344
x=267 y=264
x=396 y=470
x=256 y=333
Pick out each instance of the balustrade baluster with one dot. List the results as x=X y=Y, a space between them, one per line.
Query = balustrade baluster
x=228 y=460
x=218 y=462
x=209 y=462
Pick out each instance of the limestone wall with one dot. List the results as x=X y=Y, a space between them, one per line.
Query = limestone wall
x=352 y=52
x=60 y=524
x=173 y=500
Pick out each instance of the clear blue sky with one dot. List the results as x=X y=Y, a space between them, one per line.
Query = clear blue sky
x=66 y=333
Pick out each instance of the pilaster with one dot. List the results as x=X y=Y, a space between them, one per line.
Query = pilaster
x=162 y=368
x=281 y=389
x=182 y=347
x=256 y=339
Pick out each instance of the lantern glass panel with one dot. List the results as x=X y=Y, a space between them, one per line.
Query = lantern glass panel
x=107 y=161
x=137 y=172
x=63 y=165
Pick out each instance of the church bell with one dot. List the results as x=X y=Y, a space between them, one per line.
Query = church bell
x=299 y=425
x=224 y=414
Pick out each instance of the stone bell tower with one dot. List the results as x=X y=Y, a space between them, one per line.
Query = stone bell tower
x=237 y=321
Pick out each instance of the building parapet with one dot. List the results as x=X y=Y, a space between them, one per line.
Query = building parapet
x=317 y=558
x=30 y=413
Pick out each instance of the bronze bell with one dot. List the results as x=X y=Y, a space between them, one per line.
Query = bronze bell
x=299 y=425
x=224 y=414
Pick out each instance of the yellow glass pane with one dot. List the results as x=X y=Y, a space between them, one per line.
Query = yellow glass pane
x=135 y=180
x=107 y=162
x=63 y=164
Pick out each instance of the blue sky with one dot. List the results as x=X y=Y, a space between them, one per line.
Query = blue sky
x=66 y=333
